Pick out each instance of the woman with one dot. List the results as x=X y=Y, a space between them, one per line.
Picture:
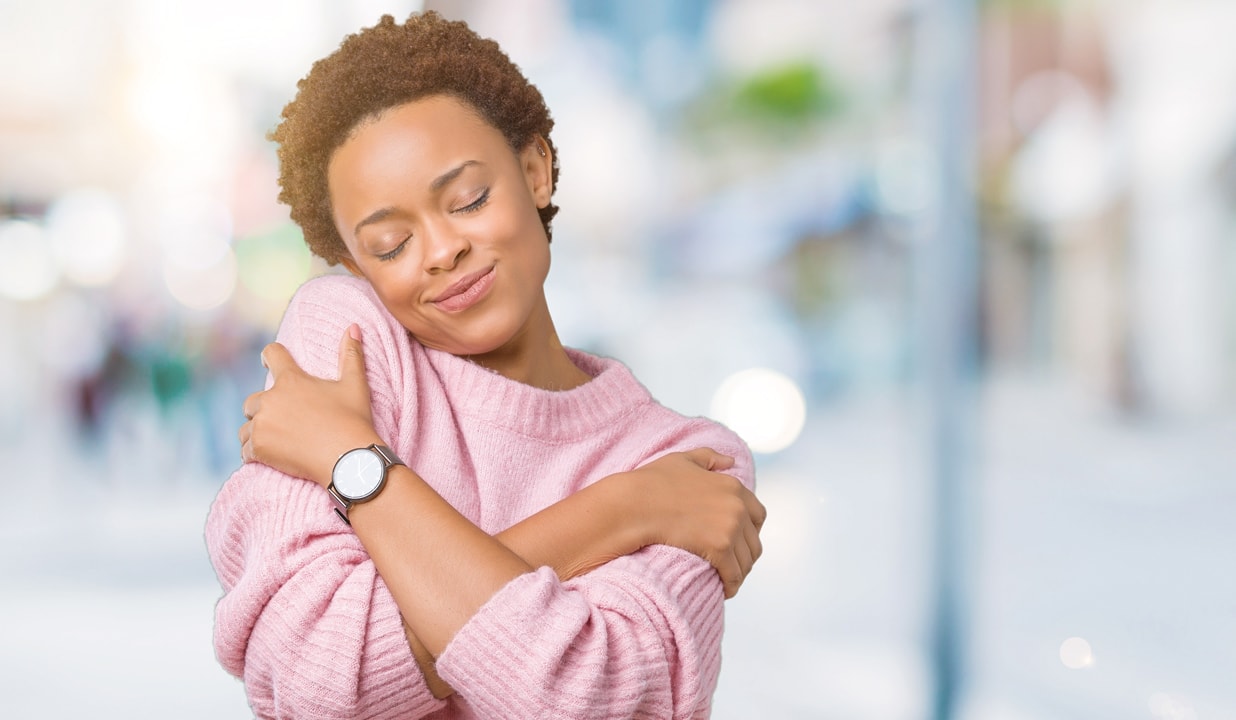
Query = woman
x=557 y=543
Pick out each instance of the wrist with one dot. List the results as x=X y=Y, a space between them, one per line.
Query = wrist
x=634 y=517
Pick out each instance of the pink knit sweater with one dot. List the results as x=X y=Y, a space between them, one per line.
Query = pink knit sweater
x=309 y=625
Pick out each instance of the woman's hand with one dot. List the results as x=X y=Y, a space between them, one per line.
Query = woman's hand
x=302 y=424
x=685 y=501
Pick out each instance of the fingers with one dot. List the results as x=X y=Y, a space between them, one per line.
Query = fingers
x=252 y=404
x=352 y=355
x=246 y=442
x=709 y=459
x=742 y=553
x=276 y=358
x=746 y=549
x=755 y=509
x=730 y=571
x=755 y=547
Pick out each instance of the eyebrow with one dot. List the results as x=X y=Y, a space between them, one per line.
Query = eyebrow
x=438 y=183
x=373 y=217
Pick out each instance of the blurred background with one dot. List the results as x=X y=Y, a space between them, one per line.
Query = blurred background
x=962 y=274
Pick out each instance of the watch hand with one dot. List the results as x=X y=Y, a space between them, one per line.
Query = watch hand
x=363 y=471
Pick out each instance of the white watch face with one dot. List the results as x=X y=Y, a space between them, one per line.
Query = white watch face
x=358 y=473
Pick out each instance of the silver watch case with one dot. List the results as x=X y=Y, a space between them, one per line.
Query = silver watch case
x=359 y=475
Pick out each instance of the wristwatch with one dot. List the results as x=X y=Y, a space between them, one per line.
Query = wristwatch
x=359 y=475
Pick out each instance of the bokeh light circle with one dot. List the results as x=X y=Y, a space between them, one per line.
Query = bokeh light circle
x=202 y=288
x=1075 y=653
x=28 y=271
x=763 y=406
x=88 y=234
x=195 y=230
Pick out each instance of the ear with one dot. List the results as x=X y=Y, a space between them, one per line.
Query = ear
x=538 y=165
x=350 y=264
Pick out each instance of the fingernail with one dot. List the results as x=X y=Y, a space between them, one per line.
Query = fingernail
x=354 y=332
x=262 y=357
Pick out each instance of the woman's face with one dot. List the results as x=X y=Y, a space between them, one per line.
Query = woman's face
x=440 y=215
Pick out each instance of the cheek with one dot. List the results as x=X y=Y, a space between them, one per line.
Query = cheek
x=397 y=291
x=543 y=257
x=531 y=231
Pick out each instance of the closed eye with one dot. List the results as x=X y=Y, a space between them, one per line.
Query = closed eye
x=394 y=252
x=476 y=204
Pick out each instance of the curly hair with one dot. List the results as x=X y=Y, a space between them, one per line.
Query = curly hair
x=382 y=67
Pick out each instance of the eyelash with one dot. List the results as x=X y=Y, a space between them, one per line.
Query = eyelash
x=471 y=207
x=476 y=204
x=394 y=251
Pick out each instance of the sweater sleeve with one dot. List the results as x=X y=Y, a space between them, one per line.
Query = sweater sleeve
x=639 y=637
x=305 y=619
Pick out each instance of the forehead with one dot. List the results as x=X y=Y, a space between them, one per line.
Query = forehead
x=422 y=137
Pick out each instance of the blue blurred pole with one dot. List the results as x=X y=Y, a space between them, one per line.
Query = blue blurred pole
x=946 y=262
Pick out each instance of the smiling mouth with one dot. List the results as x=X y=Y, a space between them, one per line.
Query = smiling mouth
x=466 y=292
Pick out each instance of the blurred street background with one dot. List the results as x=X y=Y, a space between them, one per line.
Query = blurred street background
x=963 y=274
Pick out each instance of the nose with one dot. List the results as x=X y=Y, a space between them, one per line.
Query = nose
x=444 y=248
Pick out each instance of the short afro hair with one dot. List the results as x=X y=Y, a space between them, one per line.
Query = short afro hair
x=382 y=67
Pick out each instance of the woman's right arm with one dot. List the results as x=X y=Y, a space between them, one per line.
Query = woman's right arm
x=305 y=619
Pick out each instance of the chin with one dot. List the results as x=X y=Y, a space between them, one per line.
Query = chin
x=467 y=346
x=482 y=336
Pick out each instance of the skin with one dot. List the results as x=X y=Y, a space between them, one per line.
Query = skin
x=424 y=195
x=479 y=212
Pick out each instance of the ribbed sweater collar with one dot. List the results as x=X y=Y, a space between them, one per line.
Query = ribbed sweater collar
x=553 y=416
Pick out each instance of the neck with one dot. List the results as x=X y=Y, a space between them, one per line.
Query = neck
x=535 y=356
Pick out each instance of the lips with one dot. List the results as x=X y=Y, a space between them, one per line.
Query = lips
x=466 y=291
